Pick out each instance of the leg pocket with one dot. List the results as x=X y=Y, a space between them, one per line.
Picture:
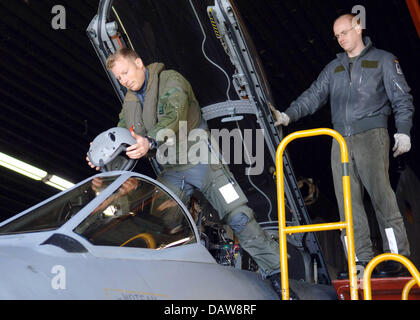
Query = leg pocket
x=223 y=195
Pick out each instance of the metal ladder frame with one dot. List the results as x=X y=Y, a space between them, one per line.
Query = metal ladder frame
x=347 y=224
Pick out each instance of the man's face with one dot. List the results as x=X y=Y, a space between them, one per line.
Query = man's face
x=130 y=73
x=347 y=35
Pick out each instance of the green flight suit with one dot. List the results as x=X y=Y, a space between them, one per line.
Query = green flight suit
x=168 y=100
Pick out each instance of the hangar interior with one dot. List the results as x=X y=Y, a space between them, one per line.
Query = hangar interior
x=56 y=96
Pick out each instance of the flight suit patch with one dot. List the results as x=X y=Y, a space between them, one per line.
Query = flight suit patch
x=369 y=64
x=339 y=69
x=398 y=67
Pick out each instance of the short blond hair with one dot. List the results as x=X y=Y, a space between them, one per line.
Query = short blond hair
x=122 y=52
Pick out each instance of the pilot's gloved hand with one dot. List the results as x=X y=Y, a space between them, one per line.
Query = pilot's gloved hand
x=402 y=144
x=281 y=118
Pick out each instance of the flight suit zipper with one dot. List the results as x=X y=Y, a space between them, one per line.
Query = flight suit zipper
x=347 y=129
x=346 y=125
x=398 y=86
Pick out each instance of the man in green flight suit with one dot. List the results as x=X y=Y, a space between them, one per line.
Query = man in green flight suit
x=158 y=100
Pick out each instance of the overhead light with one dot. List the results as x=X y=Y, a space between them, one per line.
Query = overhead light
x=57 y=182
x=21 y=167
x=33 y=172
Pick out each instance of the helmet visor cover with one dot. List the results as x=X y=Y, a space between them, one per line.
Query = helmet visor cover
x=107 y=150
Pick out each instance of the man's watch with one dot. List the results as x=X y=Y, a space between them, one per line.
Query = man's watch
x=152 y=143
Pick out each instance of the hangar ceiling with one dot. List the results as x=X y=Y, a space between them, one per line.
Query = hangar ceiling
x=55 y=96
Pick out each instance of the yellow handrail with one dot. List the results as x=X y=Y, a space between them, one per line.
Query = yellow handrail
x=348 y=224
x=390 y=256
x=407 y=288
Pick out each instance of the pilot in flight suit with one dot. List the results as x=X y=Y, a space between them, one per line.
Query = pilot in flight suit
x=158 y=100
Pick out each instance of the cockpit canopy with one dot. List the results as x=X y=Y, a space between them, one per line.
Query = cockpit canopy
x=126 y=209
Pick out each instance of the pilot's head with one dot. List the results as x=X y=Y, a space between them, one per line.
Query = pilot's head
x=348 y=32
x=128 y=68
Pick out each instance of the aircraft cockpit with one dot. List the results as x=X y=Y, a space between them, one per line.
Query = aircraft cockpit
x=120 y=235
x=122 y=210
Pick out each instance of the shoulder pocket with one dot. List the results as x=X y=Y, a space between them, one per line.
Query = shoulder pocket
x=164 y=97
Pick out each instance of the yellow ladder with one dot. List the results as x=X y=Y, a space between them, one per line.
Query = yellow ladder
x=347 y=224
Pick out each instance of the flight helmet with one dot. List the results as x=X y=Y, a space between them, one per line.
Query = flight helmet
x=107 y=150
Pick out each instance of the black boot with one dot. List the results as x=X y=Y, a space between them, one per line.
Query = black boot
x=390 y=268
x=276 y=283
